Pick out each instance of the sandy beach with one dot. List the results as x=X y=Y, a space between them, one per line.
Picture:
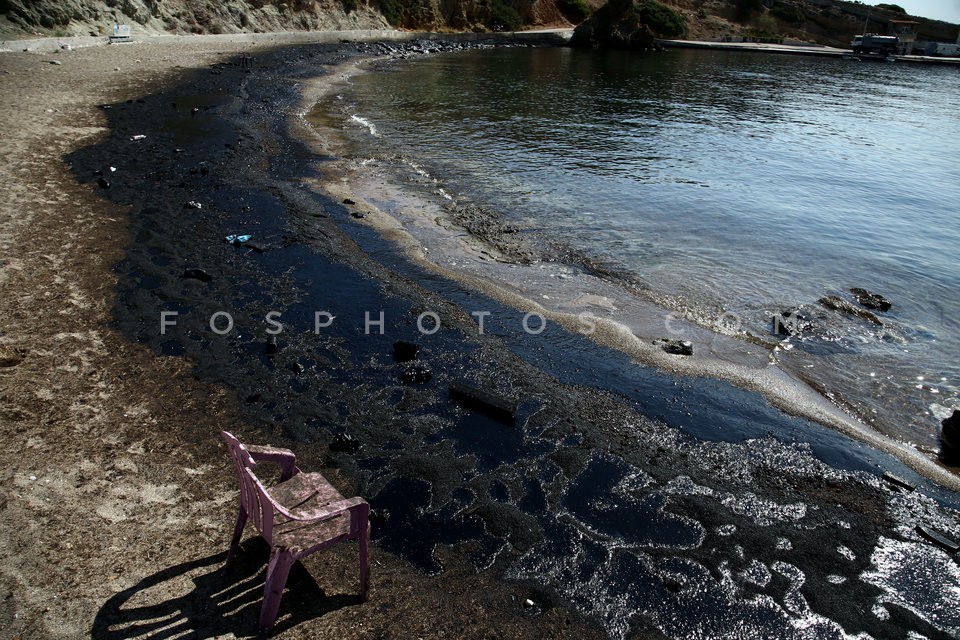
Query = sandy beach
x=118 y=499
x=116 y=491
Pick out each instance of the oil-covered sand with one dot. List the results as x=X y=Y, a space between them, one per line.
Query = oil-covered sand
x=620 y=502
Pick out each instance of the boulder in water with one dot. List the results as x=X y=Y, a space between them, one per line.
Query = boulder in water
x=839 y=304
x=870 y=300
x=791 y=322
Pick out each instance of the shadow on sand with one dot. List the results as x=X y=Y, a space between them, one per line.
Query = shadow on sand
x=203 y=599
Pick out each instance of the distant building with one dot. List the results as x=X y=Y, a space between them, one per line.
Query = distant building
x=906 y=32
x=931 y=48
x=927 y=48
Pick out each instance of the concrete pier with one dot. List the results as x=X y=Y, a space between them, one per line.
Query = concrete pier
x=800 y=49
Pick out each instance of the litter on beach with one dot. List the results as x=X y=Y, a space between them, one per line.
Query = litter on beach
x=237 y=240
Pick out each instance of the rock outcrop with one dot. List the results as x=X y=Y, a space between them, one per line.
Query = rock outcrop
x=63 y=18
x=615 y=25
x=152 y=17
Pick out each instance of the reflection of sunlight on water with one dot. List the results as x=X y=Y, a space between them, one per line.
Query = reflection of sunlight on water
x=372 y=128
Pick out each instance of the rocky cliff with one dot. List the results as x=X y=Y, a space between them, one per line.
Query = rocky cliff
x=825 y=21
x=97 y=17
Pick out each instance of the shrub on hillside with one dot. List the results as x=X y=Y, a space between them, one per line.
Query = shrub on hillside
x=503 y=17
x=892 y=7
x=661 y=19
x=391 y=11
x=791 y=14
x=746 y=9
x=576 y=11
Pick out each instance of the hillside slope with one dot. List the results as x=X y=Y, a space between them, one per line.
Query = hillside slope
x=21 y=18
x=830 y=22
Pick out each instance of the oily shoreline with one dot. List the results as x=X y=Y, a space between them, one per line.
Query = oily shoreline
x=417 y=461
x=117 y=497
x=489 y=253
x=388 y=256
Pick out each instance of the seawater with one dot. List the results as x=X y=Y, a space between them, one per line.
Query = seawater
x=726 y=187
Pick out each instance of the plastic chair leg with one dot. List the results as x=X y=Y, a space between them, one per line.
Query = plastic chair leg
x=237 y=534
x=364 y=562
x=277 y=572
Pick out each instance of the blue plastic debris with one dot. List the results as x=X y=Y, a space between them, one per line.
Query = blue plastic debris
x=237 y=240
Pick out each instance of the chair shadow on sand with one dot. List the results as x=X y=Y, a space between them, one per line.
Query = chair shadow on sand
x=203 y=599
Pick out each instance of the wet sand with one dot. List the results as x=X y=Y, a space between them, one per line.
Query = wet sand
x=118 y=500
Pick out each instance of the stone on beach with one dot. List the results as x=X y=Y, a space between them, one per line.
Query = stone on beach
x=495 y=406
x=271 y=345
x=950 y=434
x=404 y=351
x=344 y=443
x=196 y=274
x=675 y=347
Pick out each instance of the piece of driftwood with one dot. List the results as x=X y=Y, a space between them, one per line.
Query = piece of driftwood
x=495 y=406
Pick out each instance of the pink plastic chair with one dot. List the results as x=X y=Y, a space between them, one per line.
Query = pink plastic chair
x=301 y=514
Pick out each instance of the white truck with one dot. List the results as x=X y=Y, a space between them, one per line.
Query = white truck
x=873 y=43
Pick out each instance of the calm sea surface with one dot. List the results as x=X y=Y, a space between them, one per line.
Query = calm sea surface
x=733 y=186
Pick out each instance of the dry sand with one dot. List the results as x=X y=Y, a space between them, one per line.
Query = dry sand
x=117 y=500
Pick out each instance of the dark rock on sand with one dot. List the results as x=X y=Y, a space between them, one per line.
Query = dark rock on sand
x=404 y=351
x=271 y=345
x=493 y=405
x=379 y=516
x=197 y=274
x=897 y=481
x=615 y=25
x=676 y=347
x=870 y=300
x=344 y=443
x=837 y=303
x=950 y=434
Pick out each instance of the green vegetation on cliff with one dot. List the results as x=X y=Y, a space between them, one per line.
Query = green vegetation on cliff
x=661 y=19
